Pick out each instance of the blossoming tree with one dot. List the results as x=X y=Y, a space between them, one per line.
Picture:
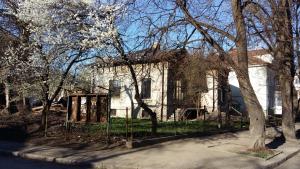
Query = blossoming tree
x=62 y=33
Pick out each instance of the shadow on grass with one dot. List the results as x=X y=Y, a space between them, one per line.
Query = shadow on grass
x=16 y=133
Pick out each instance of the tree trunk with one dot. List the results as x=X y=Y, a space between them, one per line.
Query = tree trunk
x=284 y=56
x=141 y=103
x=44 y=120
x=288 y=122
x=153 y=122
x=257 y=117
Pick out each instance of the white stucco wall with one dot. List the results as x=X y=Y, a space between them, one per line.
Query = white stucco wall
x=266 y=58
x=210 y=98
x=126 y=98
x=259 y=80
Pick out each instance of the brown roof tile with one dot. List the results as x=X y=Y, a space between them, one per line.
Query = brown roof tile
x=252 y=56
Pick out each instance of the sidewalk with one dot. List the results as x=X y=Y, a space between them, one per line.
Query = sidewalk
x=218 y=151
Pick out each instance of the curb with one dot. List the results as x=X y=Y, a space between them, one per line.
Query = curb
x=281 y=161
x=37 y=157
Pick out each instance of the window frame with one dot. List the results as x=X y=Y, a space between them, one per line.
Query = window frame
x=115 y=88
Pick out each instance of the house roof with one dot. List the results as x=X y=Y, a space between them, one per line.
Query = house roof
x=148 y=56
x=156 y=55
x=255 y=57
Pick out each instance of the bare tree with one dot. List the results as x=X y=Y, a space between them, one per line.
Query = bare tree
x=119 y=46
x=272 y=23
x=257 y=118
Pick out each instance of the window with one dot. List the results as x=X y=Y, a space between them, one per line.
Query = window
x=222 y=95
x=276 y=83
x=115 y=87
x=178 y=90
x=146 y=88
x=278 y=100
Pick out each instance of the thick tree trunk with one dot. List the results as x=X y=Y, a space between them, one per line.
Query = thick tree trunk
x=288 y=122
x=284 y=55
x=257 y=117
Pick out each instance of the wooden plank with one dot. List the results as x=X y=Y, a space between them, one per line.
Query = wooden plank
x=69 y=108
x=78 y=111
x=88 y=108
x=98 y=109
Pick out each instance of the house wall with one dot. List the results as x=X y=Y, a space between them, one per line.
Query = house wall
x=262 y=80
x=126 y=98
x=210 y=98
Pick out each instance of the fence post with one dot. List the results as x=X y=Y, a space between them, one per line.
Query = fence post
x=126 y=123
x=78 y=110
x=108 y=117
x=68 y=115
x=131 y=135
x=88 y=108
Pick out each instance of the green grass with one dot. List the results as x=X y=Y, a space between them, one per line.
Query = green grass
x=142 y=127
x=262 y=153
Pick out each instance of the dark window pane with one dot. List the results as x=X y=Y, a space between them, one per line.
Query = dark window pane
x=115 y=87
x=146 y=88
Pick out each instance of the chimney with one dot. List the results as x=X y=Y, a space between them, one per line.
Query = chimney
x=156 y=46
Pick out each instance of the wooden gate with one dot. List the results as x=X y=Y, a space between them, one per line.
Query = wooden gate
x=88 y=108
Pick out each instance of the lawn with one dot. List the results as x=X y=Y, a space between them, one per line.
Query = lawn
x=142 y=127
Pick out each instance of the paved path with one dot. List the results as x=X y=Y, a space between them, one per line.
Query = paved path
x=293 y=163
x=218 y=151
x=18 y=163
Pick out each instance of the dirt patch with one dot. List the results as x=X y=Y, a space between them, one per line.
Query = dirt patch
x=25 y=128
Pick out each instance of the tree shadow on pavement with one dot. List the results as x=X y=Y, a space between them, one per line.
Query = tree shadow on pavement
x=276 y=142
x=298 y=134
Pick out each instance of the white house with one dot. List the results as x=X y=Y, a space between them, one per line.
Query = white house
x=160 y=84
x=168 y=92
x=264 y=82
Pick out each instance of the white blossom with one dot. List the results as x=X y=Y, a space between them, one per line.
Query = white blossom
x=59 y=29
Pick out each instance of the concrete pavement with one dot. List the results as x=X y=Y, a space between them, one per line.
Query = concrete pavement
x=218 y=151
x=293 y=163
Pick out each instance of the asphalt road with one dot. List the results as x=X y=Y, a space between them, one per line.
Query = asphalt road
x=18 y=163
x=293 y=163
